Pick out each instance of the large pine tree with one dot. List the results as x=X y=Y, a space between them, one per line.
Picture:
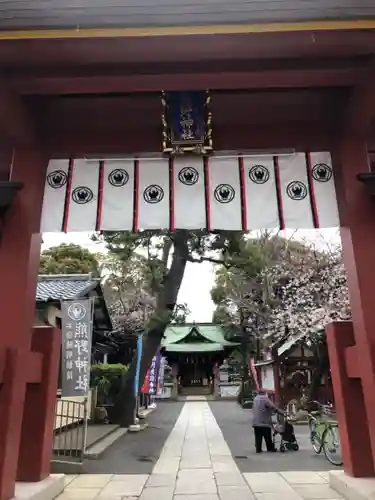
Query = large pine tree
x=165 y=256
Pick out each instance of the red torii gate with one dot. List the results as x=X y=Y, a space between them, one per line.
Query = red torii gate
x=29 y=356
x=351 y=344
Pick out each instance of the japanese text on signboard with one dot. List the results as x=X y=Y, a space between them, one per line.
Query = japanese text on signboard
x=76 y=347
x=151 y=380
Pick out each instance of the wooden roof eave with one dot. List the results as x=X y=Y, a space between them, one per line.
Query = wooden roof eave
x=58 y=53
x=47 y=32
x=268 y=362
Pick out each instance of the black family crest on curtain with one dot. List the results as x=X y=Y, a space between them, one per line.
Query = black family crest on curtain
x=187 y=122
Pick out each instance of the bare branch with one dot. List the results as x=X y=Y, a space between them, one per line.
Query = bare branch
x=199 y=260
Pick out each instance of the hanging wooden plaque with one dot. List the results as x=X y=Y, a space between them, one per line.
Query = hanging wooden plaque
x=187 y=122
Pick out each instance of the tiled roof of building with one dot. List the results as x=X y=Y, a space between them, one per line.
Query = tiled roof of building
x=51 y=14
x=64 y=286
x=178 y=337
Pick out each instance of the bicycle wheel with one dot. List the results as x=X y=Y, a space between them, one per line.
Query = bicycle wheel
x=314 y=437
x=332 y=446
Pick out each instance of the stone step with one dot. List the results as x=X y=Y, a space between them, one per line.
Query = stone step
x=94 y=451
x=352 y=488
x=71 y=439
x=195 y=391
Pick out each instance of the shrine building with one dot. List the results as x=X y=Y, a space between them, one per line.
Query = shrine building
x=219 y=116
x=195 y=352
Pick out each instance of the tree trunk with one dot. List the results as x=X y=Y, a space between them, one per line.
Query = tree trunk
x=320 y=370
x=166 y=303
x=126 y=401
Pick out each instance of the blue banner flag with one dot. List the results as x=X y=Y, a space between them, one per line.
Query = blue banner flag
x=138 y=366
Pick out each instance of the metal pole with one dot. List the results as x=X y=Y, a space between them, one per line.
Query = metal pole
x=136 y=409
x=85 y=419
x=86 y=399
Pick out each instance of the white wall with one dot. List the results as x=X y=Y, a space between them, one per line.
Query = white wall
x=268 y=378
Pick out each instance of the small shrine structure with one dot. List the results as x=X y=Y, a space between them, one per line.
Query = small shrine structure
x=194 y=352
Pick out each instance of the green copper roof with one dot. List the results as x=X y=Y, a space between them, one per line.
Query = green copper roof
x=195 y=338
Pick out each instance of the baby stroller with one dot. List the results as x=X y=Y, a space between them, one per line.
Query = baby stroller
x=285 y=430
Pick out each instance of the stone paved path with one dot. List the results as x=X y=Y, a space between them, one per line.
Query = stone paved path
x=196 y=464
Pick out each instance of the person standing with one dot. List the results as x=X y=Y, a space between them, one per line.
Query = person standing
x=263 y=408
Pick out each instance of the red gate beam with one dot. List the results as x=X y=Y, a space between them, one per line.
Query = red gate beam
x=94 y=84
x=17 y=125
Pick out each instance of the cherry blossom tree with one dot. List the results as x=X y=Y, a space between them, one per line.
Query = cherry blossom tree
x=131 y=302
x=294 y=291
x=306 y=298
x=130 y=296
x=294 y=288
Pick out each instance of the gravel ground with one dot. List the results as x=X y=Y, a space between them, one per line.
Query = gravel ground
x=137 y=453
x=235 y=424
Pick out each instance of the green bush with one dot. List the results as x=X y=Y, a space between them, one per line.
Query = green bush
x=246 y=395
x=107 y=379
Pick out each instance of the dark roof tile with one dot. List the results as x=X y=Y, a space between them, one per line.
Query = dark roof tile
x=60 y=287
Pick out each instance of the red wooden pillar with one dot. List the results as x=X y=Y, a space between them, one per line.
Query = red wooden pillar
x=357 y=225
x=34 y=461
x=349 y=401
x=19 y=261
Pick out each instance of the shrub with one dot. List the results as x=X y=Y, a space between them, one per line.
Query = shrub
x=246 y=395
x=107 y=379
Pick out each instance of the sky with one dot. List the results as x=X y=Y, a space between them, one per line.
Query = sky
x=199 y=278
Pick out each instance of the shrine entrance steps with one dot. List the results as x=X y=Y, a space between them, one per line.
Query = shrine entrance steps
x=195 y=391
x=197 y=397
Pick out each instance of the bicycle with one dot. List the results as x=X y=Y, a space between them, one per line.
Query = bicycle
x=324 y=434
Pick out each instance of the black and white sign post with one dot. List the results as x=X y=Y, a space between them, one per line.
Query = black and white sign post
x=76 y=322
x=76 y=319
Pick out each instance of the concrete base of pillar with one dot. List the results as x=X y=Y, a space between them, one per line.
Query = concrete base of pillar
x=138 y=427
x=352 y=488
x=48 y=489
x=134 y=428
